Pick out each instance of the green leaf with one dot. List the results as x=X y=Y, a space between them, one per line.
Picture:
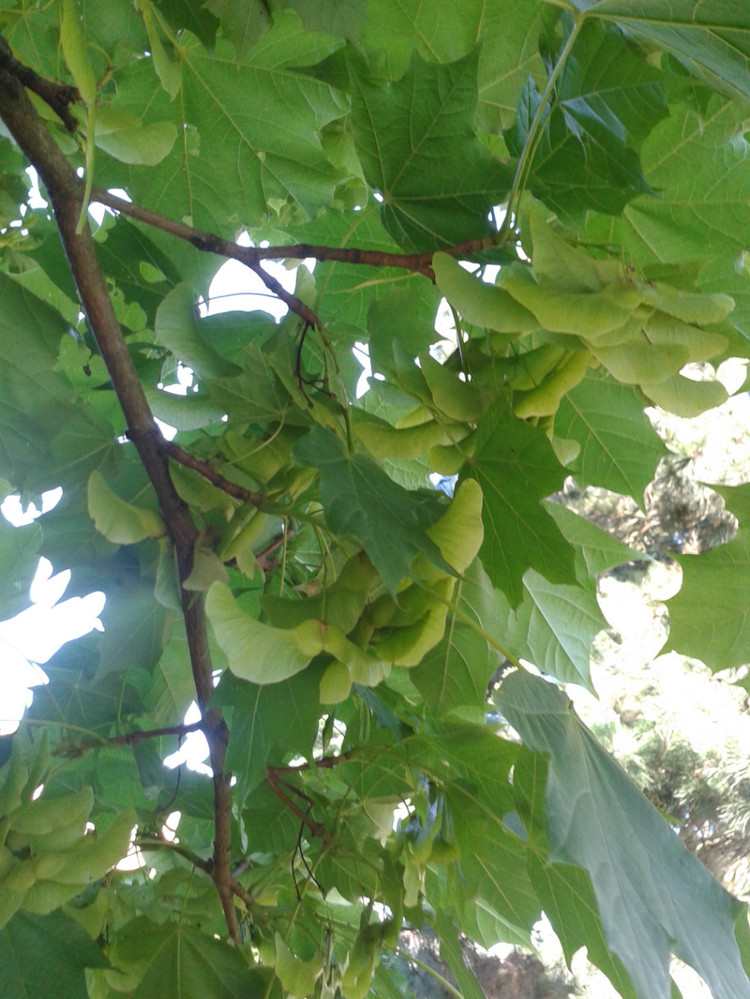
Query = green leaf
x=330 y=16
x=564 y=890
x=179 y=329
x=124 y=137
x=256 y=651
x=695 y=162
x=619 y=448
x=516 y=467
x=708 y=618
x=712 y=41
x=597 y=550
x=173 y=689
x=136 y=626
x=606 y=100
x=350 y=294
x=360 y=500
x=254 y=119
x=120 y=522
x=181 y=961
x=19 y=548
x=418 y=150
x=509 y=37
x=271 y=723
x=38 y=400
x=653 y=896
x=554 y=627
x=183 y=14
x=455 y=673
x=67 y=950
x=451 y=953
x=184 y=412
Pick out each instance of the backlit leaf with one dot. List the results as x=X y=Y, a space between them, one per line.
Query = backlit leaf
x=121 y=522
x=619 y=448
x=646 y=883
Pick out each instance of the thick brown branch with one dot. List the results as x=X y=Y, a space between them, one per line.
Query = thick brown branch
x=252 y=255
x=205 y=469
x=65 y=193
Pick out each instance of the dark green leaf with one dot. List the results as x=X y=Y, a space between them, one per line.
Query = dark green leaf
x=418 y=150
x=360 y=500
x=183 y=962
x=45 y=956
x=516 y=467
x=712 y=41
x=271 y=724
x=19 y=548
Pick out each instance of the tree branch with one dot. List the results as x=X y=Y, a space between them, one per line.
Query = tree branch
x=133 y=738
x=65 y=193
x=323 y=763
x=205 y=469
x=59 y=96
x=252 y=255
x=316 y=828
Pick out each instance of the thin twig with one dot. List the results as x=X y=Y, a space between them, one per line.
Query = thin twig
x=205 y=468
x=324 y=762
x=316 y=828
x=202 y=863
x=59 y=96
x=294 y=304
x=252 y=255
x=133 y=738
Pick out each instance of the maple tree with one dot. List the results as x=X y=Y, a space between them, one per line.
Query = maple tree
x=285 y=560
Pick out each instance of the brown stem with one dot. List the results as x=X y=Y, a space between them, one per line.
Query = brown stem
x=205 y=469
x=133 y=738
x=293 y=303
x=325 y=762
x=59 y=96
x=65 y=193
x=210 y=244
x=252 y=255
x=201 y=863
x=316 y=828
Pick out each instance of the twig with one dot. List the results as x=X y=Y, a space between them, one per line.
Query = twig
x=252 y=255
x=209 y=243
x=316 y=828
x=291 y=301
x=59 y=96
x=204 y=864
x=205 y=469
x=325 y=762
x=65 y=192
x=133 y=738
